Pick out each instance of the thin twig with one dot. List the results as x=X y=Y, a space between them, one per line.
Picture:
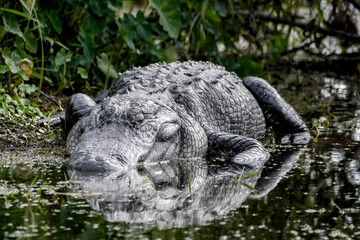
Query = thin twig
x=301 y=24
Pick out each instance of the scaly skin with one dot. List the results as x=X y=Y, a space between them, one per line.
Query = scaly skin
x=166 y=112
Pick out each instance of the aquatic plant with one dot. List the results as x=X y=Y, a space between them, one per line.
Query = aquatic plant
x=239 y=181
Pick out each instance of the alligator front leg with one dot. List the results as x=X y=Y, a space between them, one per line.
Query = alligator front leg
x=79 y=104
x=250 y=153
x=285 y=121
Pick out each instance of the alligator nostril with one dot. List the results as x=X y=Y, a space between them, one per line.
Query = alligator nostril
x=140 y=167
x=161 y=180
x=162 y=185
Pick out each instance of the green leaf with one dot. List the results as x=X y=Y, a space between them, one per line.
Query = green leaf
x=20 y=108
x=23 y=75
x=115 y=5
x=16 y=99
x=75 y=61
x=99 y=7
x=254 y=190
x=11 y=108
x=4 y=111
x=159 y=53
x=94 y=23
x=12 y=60
x=170 y=54
x=127 y=34
x=254 y=172
x=145 y=31
x=278 y=44
x=143 y=28
x=24 y=101
x=27 y=88
x=234 y=182
x=62 y=57
x=7 y=98
x=15 y=12
x=160 y=32
x=212 y=15
x=83 y=73
x=30 y=41
x=130 y=20
x=222 y=8
x=248 y=67
x=170 y=16
x=3 y=69
x=55 y=21
x=127 y=27
x=11 y=24
x=105 y=66
x=87 y=42
x=75 y=3
x=19 y=44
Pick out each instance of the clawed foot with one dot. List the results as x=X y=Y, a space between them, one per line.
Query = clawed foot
x=300 y=138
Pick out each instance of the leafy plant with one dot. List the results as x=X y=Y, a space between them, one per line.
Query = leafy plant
x=18 y=107
x=240 y=180
x=79 y=45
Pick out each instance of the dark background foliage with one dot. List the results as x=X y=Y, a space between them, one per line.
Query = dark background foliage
x=62 y=47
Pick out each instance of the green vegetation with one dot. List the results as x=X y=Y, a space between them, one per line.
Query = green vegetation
x=241 y=178
x=61 y=47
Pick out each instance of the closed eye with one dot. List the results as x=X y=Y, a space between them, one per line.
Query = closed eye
x=167 y=132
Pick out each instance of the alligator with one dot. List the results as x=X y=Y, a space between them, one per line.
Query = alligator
x=180 y=110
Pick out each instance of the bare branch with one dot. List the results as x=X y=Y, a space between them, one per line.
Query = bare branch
x=301 y=24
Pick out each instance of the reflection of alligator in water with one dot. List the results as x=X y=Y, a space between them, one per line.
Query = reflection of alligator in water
x=134 y=197
x=167 y=112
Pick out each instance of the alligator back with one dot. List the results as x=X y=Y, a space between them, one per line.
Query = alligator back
x=214 y=97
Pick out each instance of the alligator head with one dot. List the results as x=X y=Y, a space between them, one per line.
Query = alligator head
x=129 y=131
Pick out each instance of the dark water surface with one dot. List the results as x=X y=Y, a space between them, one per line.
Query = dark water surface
x=304 y=193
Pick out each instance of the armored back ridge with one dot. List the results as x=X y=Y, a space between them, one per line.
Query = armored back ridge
x=214 y=97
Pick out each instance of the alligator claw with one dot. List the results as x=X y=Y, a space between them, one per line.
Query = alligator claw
x=300 y=138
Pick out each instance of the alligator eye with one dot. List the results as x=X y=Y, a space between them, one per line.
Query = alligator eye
x=139 y=117
x=136 y=117
x=168 y=131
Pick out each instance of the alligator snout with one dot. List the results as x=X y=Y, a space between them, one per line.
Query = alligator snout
x=86 y=163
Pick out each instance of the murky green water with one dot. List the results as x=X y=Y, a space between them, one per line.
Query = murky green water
x=311 y=192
